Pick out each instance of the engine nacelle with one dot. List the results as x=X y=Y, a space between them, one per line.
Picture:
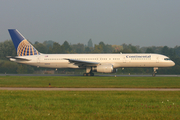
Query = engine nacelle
x=106 y=68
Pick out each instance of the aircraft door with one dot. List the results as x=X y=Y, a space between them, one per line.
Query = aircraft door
x=124 y=59
x=157 y=60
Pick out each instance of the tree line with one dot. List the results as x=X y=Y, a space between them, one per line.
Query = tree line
x=50 y=47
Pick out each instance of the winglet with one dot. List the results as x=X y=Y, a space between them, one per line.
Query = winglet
x=23 y=47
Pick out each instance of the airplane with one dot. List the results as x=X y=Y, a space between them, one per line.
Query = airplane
x=104 y=63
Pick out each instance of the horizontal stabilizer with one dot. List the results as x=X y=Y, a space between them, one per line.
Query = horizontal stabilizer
x=17 y=58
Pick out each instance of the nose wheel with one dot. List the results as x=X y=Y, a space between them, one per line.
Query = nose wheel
x=154 y=71
x=153 y=74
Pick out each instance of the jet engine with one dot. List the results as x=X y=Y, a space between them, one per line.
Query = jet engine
x=106 y=68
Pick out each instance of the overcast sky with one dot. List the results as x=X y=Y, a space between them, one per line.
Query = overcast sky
x=136 y=22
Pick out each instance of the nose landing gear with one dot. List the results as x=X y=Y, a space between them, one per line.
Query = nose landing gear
x=154 y=71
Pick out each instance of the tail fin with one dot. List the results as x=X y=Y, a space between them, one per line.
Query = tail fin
x=23 y=47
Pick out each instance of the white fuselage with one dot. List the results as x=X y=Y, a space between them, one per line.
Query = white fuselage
x=117 y=60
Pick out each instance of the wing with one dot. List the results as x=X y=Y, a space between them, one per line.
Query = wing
x=81 y=63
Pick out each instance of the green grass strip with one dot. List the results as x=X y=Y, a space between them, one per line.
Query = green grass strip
x=89 y=82
x=90 y=105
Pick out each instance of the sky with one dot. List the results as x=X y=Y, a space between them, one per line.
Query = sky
x=136 y=22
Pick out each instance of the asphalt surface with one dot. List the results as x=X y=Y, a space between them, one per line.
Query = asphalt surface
x=103 y=75
x=91 y=89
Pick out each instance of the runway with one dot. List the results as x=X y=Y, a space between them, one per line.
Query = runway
x=90 y=89
x=98 y=75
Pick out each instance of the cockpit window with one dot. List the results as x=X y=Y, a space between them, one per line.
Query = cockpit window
x=167 y=59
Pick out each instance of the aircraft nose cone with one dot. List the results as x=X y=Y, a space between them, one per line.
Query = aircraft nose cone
x=173 y=63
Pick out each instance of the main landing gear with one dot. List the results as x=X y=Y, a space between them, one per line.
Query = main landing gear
x=154 y=71
x=88 y=72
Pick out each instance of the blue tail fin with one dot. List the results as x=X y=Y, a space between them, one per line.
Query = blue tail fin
x=23 y=47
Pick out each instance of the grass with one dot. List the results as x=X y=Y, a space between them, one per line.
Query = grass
x=89 y=82
x=99 y=105
x=89 y=105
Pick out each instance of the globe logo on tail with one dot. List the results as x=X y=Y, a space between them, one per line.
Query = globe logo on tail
x=26 y=49
x=23 y=47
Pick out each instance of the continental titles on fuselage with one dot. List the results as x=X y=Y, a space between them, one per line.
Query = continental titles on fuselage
x=138 y=56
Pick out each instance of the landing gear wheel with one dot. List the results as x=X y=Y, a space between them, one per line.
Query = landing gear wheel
x=88 y=74
x=154 y=71
x=154 y=74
